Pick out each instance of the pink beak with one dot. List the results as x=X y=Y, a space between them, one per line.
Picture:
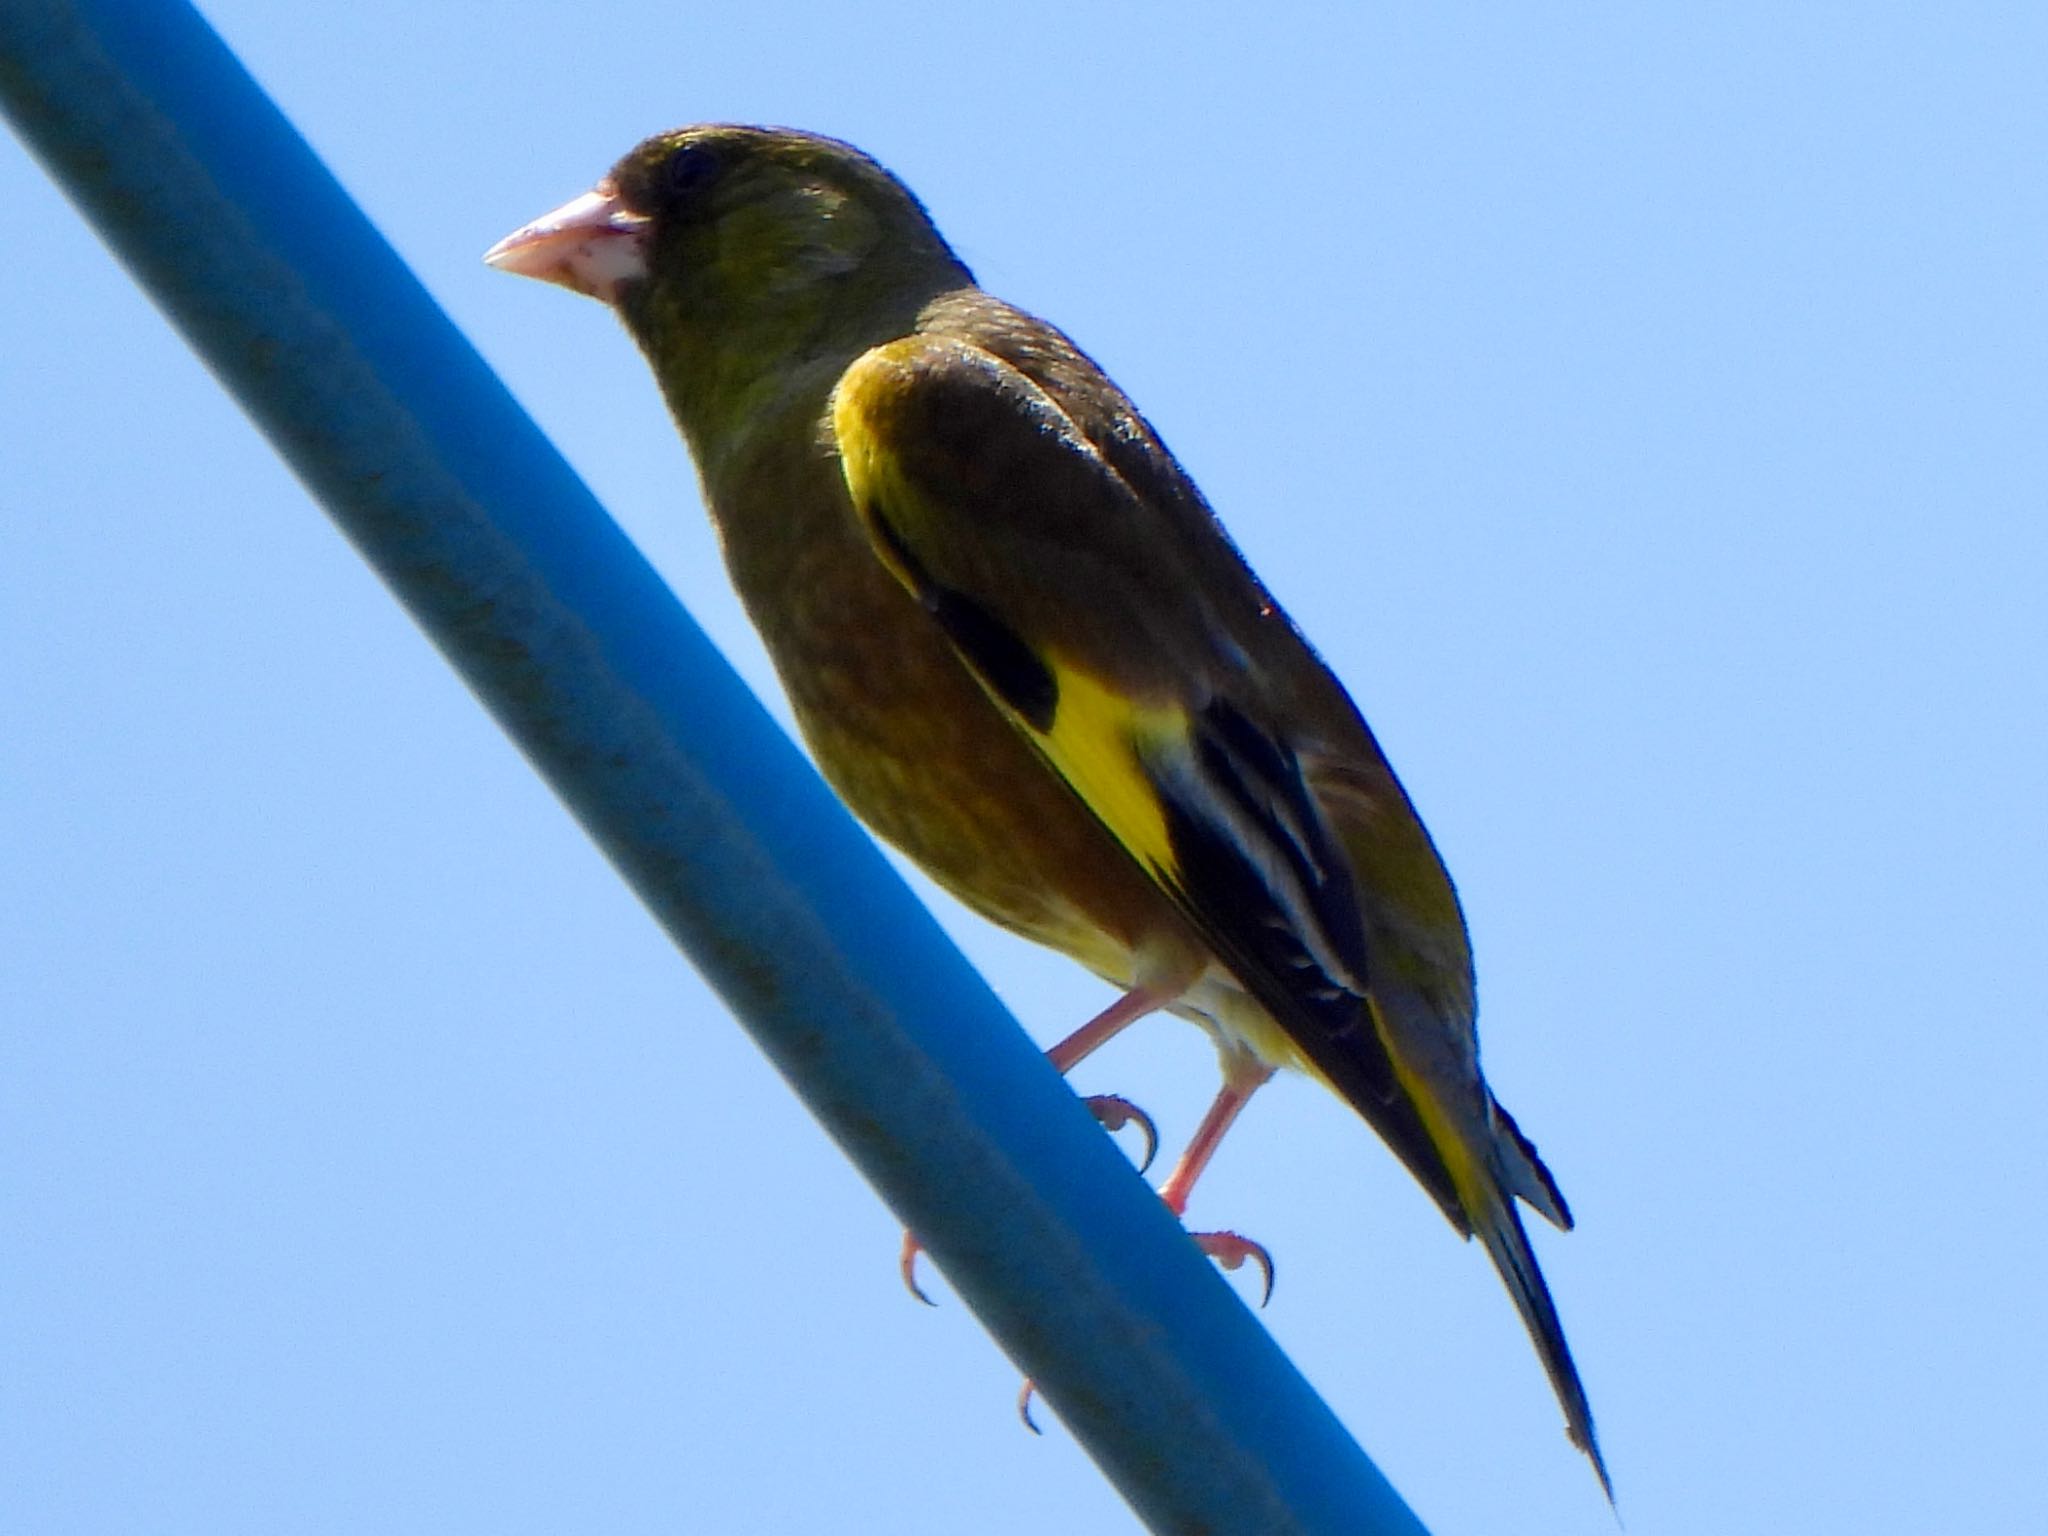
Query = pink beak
x=593 y=244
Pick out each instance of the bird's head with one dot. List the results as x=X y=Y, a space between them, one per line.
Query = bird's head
x=743 y=260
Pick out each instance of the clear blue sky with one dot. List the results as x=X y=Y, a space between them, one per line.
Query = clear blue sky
x=1647 y=414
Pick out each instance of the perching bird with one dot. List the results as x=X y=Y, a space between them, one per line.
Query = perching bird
x=1023 y=650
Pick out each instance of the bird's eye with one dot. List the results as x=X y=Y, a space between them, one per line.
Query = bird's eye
x=688 y=169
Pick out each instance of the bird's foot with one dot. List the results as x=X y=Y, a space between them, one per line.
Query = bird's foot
x=1024 y=1395
x=1230 y=1251
x=907 y=1264
x=1114 y=1112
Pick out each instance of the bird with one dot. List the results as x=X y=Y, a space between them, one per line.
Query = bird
x=1022 y=648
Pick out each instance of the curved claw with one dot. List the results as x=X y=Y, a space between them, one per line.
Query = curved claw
x=1114 y=1111
x=907 y=1264
x=1029 y=1391
x=1230 y=1251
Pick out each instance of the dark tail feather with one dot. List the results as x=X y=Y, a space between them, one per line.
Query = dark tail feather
x=1531 y=1180
x=1507 y=1244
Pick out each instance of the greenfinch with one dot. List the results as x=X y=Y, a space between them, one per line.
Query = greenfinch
x=1023 y=650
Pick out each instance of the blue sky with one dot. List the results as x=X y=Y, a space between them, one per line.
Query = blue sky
x=1642 y=411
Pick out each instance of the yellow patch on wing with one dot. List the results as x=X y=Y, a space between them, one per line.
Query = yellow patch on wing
x=1096 y=735
x=1095 y=738
x=1095 y=743
x=861 y=403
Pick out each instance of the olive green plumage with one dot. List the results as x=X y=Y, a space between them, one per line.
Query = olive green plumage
x=1022 y=649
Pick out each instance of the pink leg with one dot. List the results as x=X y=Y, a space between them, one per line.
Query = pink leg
x=1107 y=1025
x=1242 y=1077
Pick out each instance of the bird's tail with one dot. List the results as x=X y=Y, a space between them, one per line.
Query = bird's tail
x=1489 y=1164
x=1499 y=1226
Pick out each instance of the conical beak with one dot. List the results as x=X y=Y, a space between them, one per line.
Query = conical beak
x=593 y=244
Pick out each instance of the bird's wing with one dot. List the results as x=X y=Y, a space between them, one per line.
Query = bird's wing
x=1131 y=647
x=1087 y=620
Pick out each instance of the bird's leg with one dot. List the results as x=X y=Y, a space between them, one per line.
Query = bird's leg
x=1243 y=1075
x=1112 y=1110
x=1108 y=1024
